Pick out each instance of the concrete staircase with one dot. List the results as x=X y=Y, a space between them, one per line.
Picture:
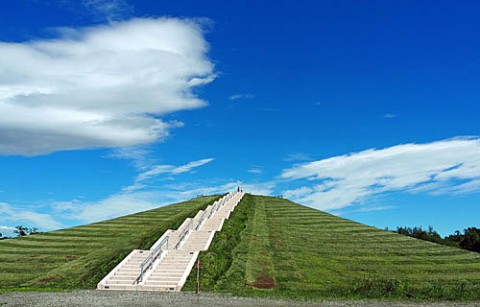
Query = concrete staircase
x=166 y=266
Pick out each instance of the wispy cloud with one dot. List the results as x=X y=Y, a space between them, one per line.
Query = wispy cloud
x=139 y=156
x=390 y=115
x=443 y=167
x=105 y=86
x=7 y=228
x=255 y=170
x=375 y=208
x=242 y=96
x=171 y=169
x=20 y=216
x=98 y=10
x=139 y=196
x=110 y=10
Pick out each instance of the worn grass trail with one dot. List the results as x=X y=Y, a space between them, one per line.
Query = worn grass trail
x=279 y=248
x=80 y=257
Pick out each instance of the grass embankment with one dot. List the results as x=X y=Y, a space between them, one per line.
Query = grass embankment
x=79 y=257
x=273 y=247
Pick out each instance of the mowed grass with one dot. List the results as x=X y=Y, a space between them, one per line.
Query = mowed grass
x=79 y=257
x=279 y=248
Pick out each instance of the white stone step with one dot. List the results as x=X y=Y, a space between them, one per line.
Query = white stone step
x=169 y=270
x=127 y=275
x=166 y=277
x=172 y=261
x=161 y=283
x=120 y=282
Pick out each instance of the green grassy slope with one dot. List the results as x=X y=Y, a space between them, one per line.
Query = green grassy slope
x=80 y=257
x=273 y=247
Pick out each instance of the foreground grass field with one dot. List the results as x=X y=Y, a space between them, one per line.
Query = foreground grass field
x=79 y=257
x=273 y=247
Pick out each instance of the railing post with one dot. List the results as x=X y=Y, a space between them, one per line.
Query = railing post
x=141 y=273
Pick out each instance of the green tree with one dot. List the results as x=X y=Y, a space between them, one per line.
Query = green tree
x=418 y=233
x=21 y=230
x=471 y=239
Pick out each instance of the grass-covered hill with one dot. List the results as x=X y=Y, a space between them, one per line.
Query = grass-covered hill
x=268 y=247
x=273 y=247
x=79 y=257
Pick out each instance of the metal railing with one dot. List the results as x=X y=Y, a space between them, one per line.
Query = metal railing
x=222 y=201
x=200 y=221
x=216 y=207
x=213 y=209
x=148 y=262
x=183 y=234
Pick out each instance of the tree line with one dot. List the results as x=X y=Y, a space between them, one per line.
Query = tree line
x=469 y=239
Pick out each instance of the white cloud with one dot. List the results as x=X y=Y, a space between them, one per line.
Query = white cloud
x=134 y=198
x=140 y=156
x=242 y=96
x=255 y=170
x=375 y=208
x=26 y=217
x=104 y=86
x=390 y=115
x=297 y=193
x=7 y=228
x=443 y=167
x=171 y=169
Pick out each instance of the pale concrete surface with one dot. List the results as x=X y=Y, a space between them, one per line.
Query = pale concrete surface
x=140 y=299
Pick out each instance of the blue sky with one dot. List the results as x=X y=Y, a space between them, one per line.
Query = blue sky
x=366 y=110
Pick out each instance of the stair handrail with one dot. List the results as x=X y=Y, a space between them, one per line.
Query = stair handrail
x=148 y=262
x=200 y=221
x=183 y=234
x=211 y=212
x=214 y=208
